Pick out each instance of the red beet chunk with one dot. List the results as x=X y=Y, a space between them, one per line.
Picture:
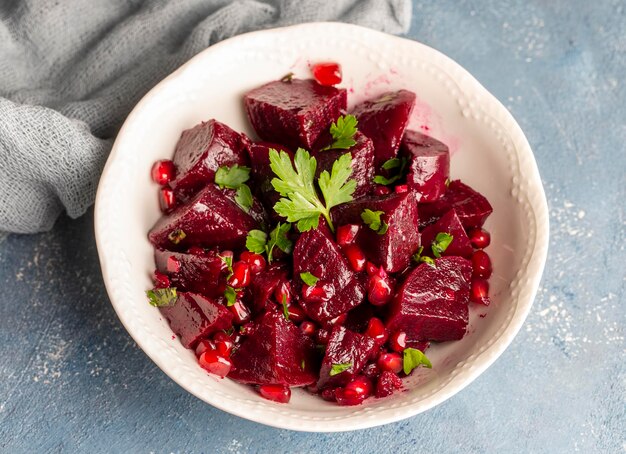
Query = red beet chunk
x=198 y=273
x=432 y=302
x=264 y=284
x=393 y=249
x=449 y=223
x=429 y=166
x=387 y=383
x=202 y=150
x=362 y=163
x=345 y=347
x=211 y=218
x=194 y=317
x=471 y=207
x=294 y=112
x=316 y=252
x=276 y=353
x=384 y=120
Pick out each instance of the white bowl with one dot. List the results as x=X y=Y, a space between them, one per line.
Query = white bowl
x=489 y=152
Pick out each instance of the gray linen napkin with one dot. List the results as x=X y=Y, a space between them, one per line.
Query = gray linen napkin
x=71 y=71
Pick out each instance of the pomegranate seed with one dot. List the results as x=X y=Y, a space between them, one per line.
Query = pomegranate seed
x=481 y=264
x=397 y=341
x=327 y=73
x=355 y=257
x=371 y=371
x=256 y=262
x=390 y=361
x=241 y=275
x=377 y=331
x=240 y=312
x=173 y=264
x=479 y=291
x=167 y=200
x=223 y=343
x=378 y=290
x=329 y=394
x=346 y=396
x=308 y=327
x=479 y=238
x=360 y=385
x=283 y=291
x=277 y=393
x=381 y=190
x=161 y=280
x=296 y=313
x=318 y=293
x=163 y=171
x=346 y=234
x=401 y=188
x=371 y=269
x=203 y=346
x=214 y=363
x=322 y=336
x=387 y=383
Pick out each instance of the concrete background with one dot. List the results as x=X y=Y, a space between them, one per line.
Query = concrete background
x=71 y=379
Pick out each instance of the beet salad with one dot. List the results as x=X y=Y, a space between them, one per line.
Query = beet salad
x=328 y=254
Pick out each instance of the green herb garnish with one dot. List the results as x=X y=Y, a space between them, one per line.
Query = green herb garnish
x=228 y=261
x=336 y=369
x=390 y=164
x=373 y=220
x=309 y=279
x=441 y=243
x=257 y=241
x=243 y=197
x=300 y=202
x=231 y=295
x=285 y=308
x=418 y=257
x=343 y=131
x=161 y=297
x=232 y=177
x=412 y=358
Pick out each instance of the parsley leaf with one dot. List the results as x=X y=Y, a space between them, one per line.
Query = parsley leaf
x=231 y=295
x=300 y=202
x=256 y=241
x=228 y=261
x=390 y=164
x=418 y=257
x=441 y=243
x=413 y=358
x=285 y=308
x=336 y=369
x=232 y=177
x=244 y=197
x=302 y=365
x=309 y=279
x=373 y=220
x=343 y=131
x=176 y=236
x=160 y=297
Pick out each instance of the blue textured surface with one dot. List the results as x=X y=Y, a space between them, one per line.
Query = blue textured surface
x=72 y=379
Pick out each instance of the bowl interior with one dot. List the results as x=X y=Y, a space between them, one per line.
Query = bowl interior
x=489 y=152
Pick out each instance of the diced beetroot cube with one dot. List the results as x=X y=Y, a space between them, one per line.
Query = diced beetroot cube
x=262 y=173
x=471 y=207
x=276 y=353
x=347 y=348
x=393 y=249
x=198 y=273
x=316 y=252
x=429 y=165
x=211 y=218
x=294 y=112
x=202 y=150
x=384 y=120
x=362 y=163
x=264 y=284
x=449 y=223
x=194 y=317
x=431 y=304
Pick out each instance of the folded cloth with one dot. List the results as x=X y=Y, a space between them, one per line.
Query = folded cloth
x=71 y=71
